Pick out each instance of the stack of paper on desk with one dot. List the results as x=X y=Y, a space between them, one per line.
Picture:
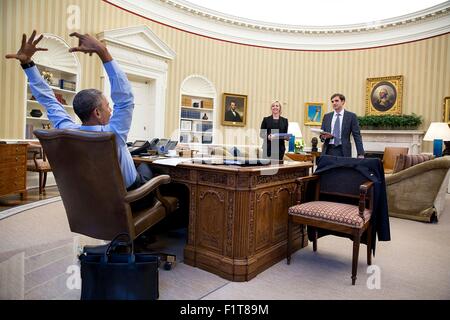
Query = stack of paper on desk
x=172 y=161
x=319 y=131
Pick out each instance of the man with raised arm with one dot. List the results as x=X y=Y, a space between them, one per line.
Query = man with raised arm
x=90 y=105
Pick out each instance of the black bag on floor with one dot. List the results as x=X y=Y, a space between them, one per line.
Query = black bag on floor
x=107 y=274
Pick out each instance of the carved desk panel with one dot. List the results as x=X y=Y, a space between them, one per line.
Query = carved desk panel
x=238 y=215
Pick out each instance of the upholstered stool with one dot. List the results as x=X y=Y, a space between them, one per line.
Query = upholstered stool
x=340 y=213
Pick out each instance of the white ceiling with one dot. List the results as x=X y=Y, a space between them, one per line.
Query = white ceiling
x=346 y=35
x=316 y=12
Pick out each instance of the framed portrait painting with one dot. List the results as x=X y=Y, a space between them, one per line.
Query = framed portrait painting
x=313 y=113
x=447 y=110
x=384 y=95
x=234 y=110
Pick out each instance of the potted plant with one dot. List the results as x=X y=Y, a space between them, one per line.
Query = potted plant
x=390 y=122
x=298 y=145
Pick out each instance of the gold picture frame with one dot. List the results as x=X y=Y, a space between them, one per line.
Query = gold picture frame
x=447 y=110
x=238 y=118
x=384 y=95
x=314 y=113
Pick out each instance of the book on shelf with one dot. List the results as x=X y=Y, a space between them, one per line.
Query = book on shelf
x=207 y=104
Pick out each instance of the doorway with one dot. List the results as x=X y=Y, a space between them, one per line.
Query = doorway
x=143 y=123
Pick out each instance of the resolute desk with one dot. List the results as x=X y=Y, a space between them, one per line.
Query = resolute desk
x=237 y=215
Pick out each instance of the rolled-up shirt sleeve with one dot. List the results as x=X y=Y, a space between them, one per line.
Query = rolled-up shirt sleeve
x=123 y=99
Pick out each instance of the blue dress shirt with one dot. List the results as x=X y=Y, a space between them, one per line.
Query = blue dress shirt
x=119 y=123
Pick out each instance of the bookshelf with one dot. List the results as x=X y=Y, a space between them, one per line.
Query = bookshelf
x=196 y=119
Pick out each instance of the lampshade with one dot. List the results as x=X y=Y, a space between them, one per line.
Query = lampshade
x=438 y=130
x=294 y=128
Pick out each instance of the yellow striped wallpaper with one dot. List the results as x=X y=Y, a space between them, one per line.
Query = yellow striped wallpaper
x=292 y=77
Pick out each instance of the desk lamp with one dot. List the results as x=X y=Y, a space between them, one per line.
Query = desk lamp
x=437 y=132
x=294 y=129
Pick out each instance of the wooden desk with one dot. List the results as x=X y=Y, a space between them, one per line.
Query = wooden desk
x=300 y=156
x=13 y=169
x=238 y=215
x=308 y=156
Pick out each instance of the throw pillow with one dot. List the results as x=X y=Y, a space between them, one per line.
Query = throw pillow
x=413 y=159
x=399 y=163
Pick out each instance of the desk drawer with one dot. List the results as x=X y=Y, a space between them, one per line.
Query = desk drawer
x=11 y=161
x=12 y=185
x=8 y=150
x=10 y=172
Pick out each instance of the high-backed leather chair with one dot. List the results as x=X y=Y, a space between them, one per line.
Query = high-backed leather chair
x=37 y=162
x=390 y=155
x=339 y=203
x=87 y=172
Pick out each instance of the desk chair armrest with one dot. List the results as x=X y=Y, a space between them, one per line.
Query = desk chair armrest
x=36 y=151
x=306 y=179
x=364 y=195
x=163 y=200
x=148 y=187
x=303 y=184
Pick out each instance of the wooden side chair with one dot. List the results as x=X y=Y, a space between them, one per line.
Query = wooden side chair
x=340 y=203
x=390 y=156
x=37 y=162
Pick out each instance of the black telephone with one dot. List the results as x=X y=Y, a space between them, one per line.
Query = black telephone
x=139 y=146
x=171 y=144
x=159 y=145
x=154 y=144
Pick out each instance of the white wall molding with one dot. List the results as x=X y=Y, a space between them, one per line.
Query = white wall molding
x=139 y=38
x=180 y=14
x=141 y=53
x=377 y=140
x=198 y=85
x=58 y=55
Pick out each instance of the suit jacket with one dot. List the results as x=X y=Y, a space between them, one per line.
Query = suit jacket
x=267 y=126
x=229 y=116
x=349 y=125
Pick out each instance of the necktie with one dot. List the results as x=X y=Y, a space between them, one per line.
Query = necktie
x=337 y=130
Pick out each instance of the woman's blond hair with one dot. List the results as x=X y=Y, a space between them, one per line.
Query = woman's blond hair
x=276 y=101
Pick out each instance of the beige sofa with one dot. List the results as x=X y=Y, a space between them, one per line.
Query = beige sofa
x=418 y=192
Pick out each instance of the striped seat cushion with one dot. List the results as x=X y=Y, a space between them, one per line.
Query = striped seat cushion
x=340 y=213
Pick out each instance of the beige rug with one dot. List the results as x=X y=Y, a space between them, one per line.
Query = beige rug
x=37 y=248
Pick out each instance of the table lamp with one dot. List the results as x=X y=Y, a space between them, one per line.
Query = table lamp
x=294 y=129
x=437 y=132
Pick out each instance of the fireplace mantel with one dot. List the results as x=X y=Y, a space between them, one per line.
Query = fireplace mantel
x=377 y=140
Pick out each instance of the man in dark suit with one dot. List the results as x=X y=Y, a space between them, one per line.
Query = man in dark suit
x=340 y=123
x=232 y=115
